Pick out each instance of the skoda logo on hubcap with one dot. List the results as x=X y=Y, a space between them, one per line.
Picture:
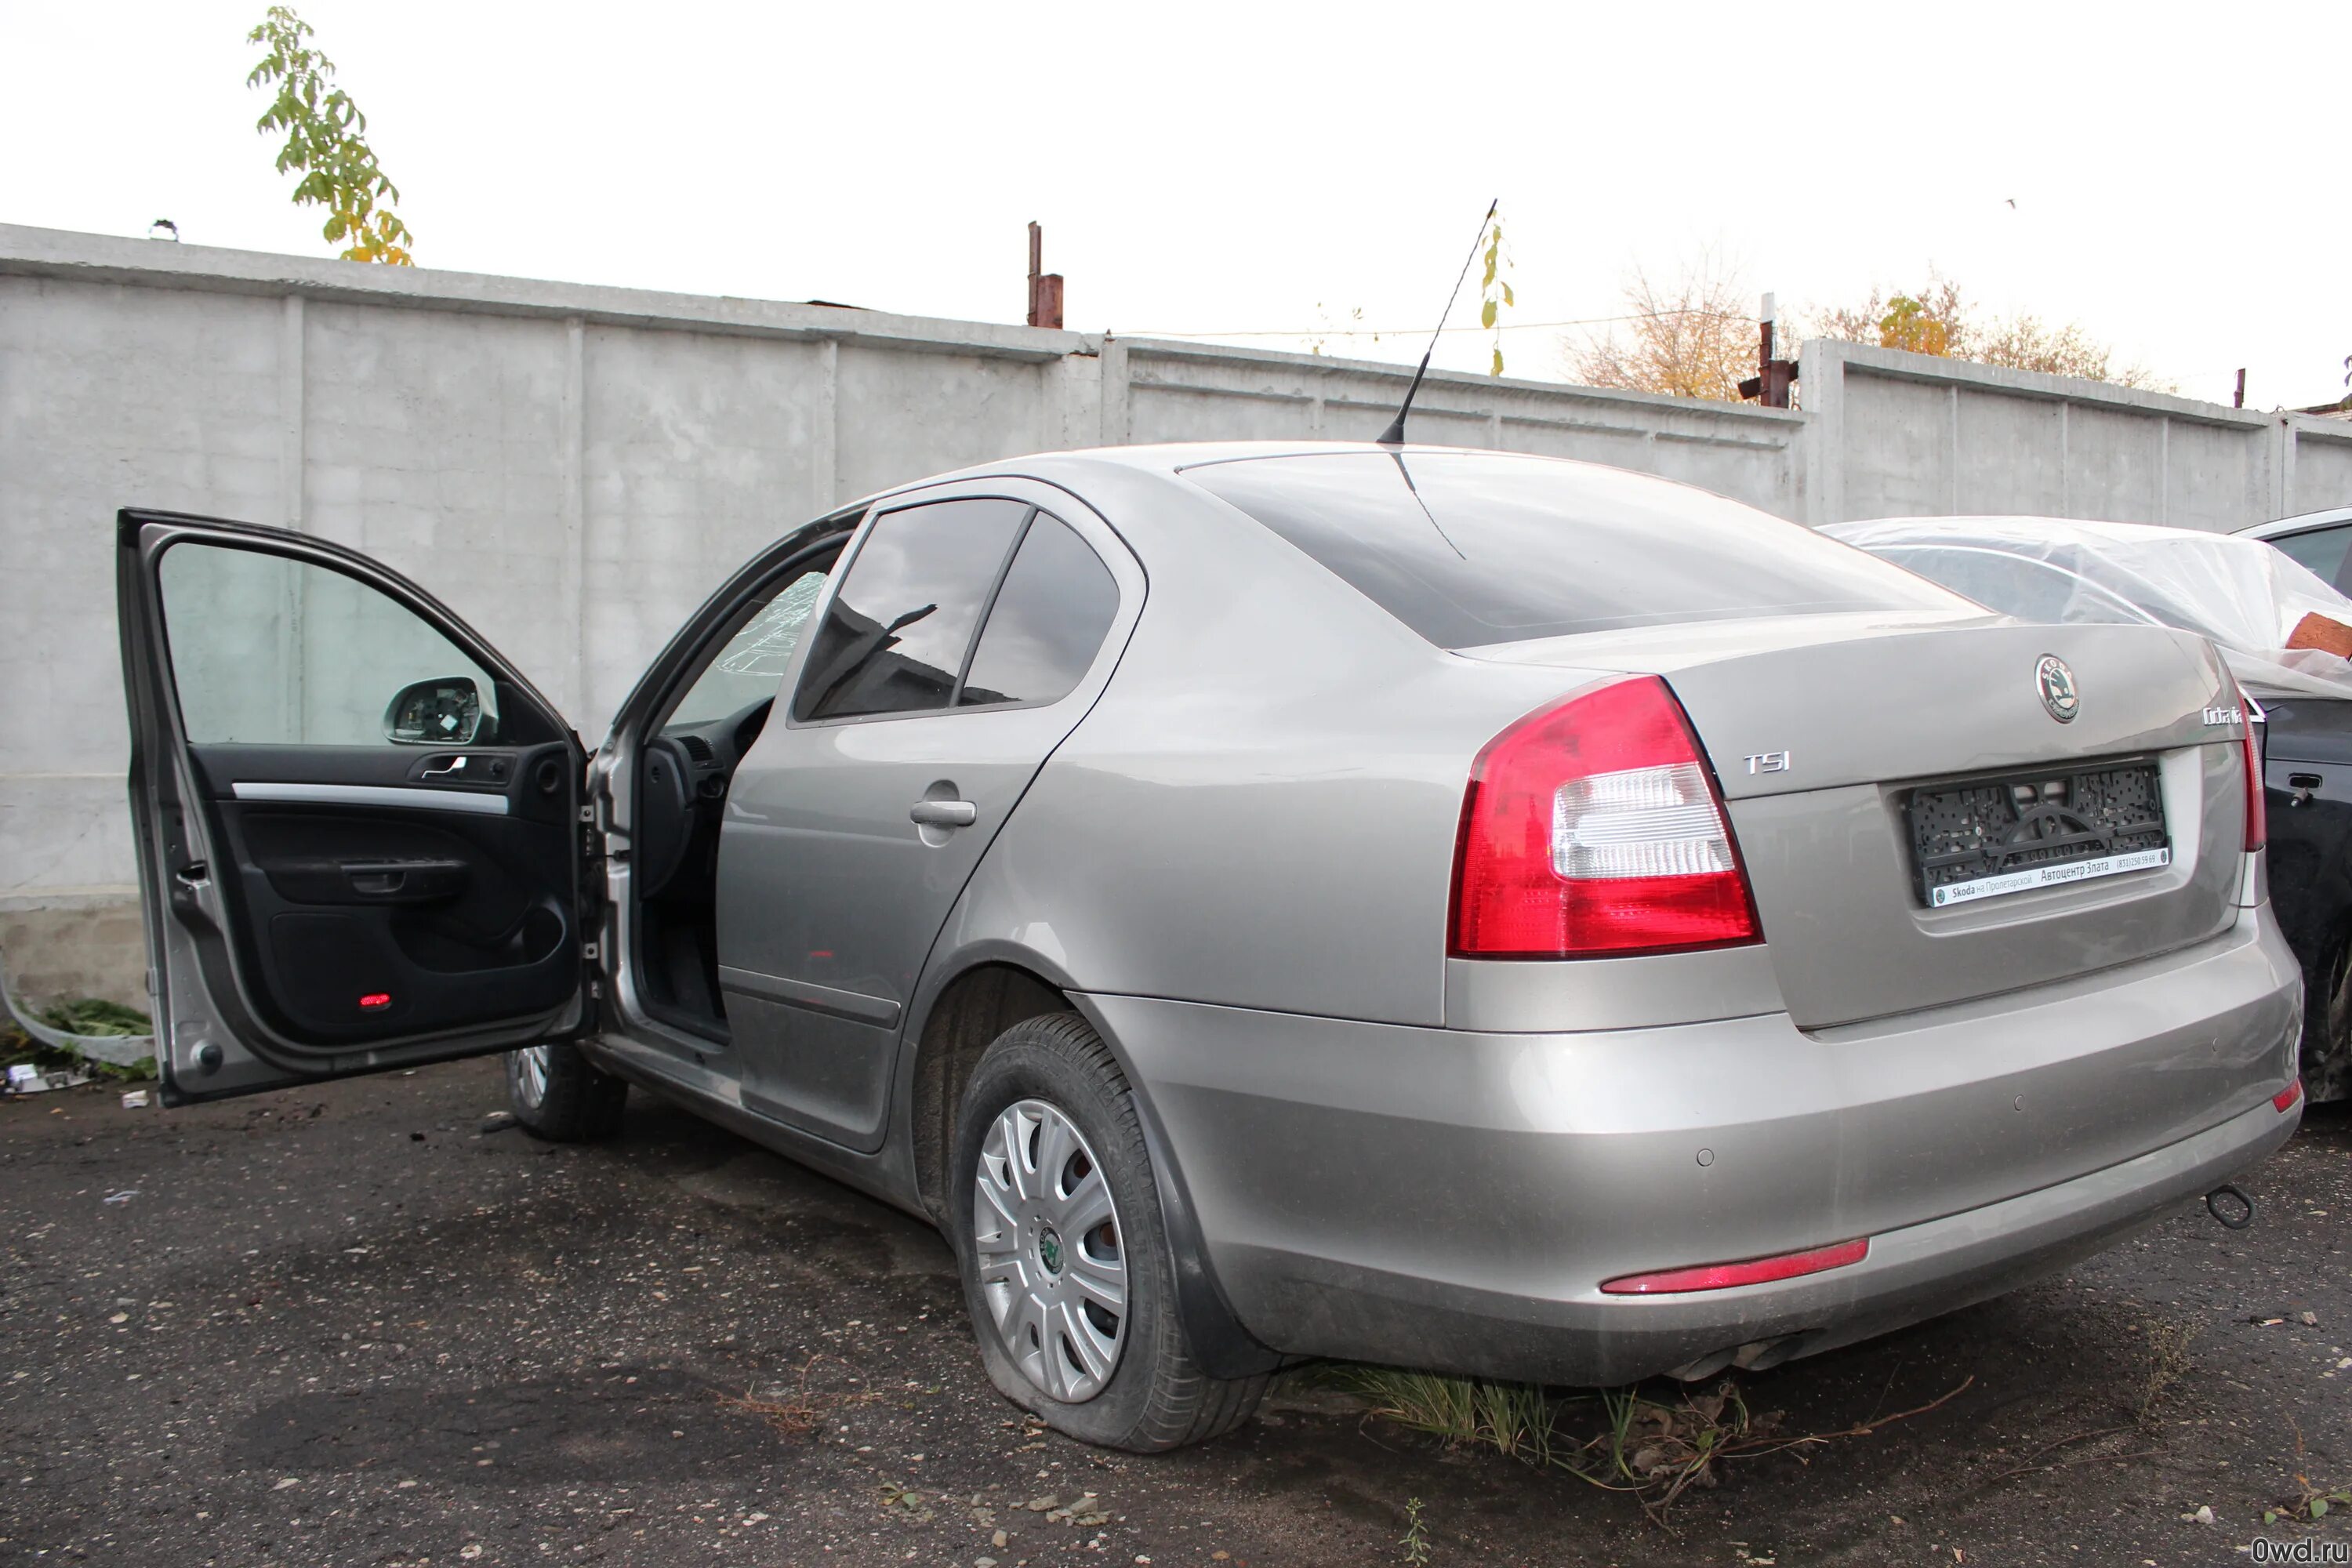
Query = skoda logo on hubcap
x=2056 y=684
x=1049 y=1250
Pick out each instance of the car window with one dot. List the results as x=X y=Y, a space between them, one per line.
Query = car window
x=2320 y=549
x=751 y=664
x=1469 y=549
x=1057 y=602
x=267 y=650
x=2016 y=585
x=894 y=638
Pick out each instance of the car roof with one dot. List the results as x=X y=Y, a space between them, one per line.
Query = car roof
x=1168 y=459
x=1174 y=457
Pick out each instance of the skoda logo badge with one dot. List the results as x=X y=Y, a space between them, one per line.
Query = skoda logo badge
x=2056 y=684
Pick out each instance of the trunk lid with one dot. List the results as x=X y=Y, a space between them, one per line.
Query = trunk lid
x=1821 y=729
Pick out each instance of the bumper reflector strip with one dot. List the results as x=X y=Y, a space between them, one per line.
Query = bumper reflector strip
x=2282 y=1100
x=1754 y=1271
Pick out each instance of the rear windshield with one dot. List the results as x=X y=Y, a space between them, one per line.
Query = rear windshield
x=1469 y=549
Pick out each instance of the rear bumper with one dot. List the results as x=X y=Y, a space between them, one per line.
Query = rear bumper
x=1453 y=1200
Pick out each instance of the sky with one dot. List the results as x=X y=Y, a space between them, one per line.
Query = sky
x=1257 y=173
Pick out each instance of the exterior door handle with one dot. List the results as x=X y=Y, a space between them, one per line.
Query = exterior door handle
x=943 y=813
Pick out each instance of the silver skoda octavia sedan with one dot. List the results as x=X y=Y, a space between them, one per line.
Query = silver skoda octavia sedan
x=1457 y=909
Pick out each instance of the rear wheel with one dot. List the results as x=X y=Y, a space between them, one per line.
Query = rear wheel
x=557 y=1095
x=1066 y=1269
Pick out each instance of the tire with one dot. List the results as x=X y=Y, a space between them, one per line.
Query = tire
x=1152 y=1396
x=2326 y=1056
x=558 y=1096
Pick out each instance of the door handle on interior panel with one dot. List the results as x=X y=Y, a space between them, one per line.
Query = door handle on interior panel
x=943 y=813
x=404 y=881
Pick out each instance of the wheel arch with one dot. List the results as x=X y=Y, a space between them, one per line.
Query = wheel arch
x=985 y=990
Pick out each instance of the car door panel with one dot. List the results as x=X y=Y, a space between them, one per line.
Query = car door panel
x=318 y=906
x=360 y=881
x=846 y=842
x=823 y=821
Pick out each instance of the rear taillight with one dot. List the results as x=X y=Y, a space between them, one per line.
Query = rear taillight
x=2258 y=813
x=1594 y=828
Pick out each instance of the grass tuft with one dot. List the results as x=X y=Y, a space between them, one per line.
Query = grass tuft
x=2168 y=1362
x=1513 y=1418
x=1655 y=1446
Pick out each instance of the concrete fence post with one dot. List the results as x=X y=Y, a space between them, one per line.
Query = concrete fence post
x=290 y=413
x=1115 y=426
x=572 y=586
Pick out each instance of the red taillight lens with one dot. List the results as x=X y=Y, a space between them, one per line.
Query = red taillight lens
x=1755 y=1272
x=1594 y=828
x=2284 y=1098
x=2258 y=811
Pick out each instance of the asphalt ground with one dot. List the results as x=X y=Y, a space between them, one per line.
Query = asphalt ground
x=343 y=1326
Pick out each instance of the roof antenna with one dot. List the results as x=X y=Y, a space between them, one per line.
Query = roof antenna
x=1395 y=435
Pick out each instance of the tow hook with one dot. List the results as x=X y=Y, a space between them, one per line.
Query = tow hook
x=2221 y=1210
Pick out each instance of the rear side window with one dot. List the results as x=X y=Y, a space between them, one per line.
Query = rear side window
x=2321 y=549
x=1058 y=603
x=2015 y=586
x=894 y=638
x=1469 y=549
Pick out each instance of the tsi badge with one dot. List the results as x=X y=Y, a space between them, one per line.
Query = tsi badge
x=2056 y=684
x=1769 y=762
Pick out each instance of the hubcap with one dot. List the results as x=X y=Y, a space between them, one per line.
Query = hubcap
x=1051 y=1268
x=531 y=1074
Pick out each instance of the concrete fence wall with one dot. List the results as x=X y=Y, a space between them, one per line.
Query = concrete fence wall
x=1897 y=435
x=573 y=469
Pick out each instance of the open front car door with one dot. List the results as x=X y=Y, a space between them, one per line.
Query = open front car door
x=358 y=827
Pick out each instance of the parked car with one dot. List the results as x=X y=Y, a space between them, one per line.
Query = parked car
x=1457 y=909
x=2318 y=541
x=2284 y=633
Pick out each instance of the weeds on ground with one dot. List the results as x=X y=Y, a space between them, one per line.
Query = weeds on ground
x=2309 y=1505
x=1653 y=1448
x=85 y=1016
x=797 y=1413
x=2167 y=1361
x=92 y=1016
x=1415 y=1543
x=1513 y=1418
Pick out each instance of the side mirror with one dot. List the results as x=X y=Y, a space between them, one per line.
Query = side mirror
x=444 y=713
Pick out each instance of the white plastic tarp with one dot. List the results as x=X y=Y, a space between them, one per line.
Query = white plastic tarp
x=2274 y=621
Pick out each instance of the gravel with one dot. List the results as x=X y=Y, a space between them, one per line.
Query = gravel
x=346 y=1325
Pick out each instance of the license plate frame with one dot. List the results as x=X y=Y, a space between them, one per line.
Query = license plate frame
x=1996 y=837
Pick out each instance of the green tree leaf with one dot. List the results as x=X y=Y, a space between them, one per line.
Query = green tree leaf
x=325 y=143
